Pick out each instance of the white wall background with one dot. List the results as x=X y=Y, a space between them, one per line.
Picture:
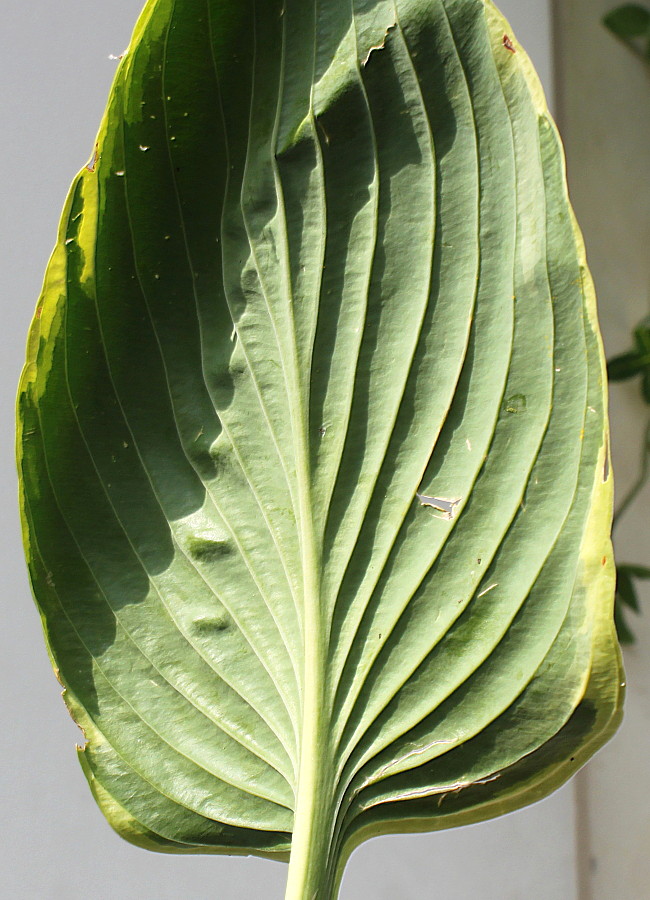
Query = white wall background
x=54 y=78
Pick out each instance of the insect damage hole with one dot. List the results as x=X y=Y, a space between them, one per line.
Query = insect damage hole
x=91 y=165
x=447 y=508
x=380 y=46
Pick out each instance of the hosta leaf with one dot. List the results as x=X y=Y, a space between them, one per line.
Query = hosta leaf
x=315 y=480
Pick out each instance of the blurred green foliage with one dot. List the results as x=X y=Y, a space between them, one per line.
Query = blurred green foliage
x=634 y=363
x=631 y=23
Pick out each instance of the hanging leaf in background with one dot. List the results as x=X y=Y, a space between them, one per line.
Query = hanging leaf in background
x=314 y=455
x=631 y=23
x=626 y=596
x=624 y=367
x=635 y=361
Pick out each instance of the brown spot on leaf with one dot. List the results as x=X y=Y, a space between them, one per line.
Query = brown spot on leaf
x=507 y=43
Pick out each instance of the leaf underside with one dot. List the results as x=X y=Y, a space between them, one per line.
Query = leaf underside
x=321 y=270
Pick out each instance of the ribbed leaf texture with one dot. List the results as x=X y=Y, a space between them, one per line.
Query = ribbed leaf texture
x=316 y=490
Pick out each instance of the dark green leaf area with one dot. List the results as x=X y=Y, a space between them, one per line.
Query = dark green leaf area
x=627 y=596
x=625 y=366
x=642 y=572
x=623 y=630
x=630 y=20
x=631 y=23
x=642 y=342
x=625 y=588
x=636 y=361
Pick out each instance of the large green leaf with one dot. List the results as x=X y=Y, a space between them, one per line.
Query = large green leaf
x=314 y=454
